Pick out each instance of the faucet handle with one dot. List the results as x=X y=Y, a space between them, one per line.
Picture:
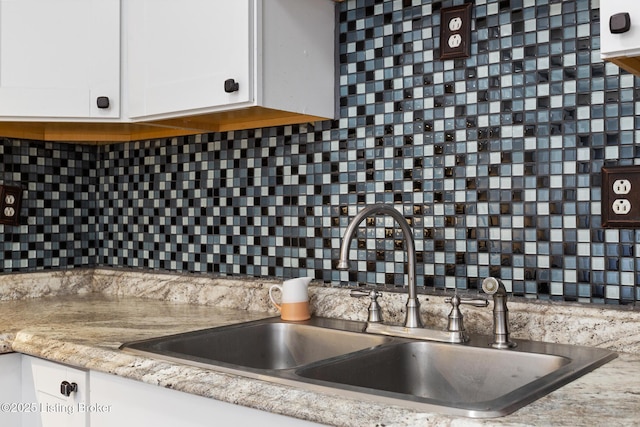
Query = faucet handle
x=455 y=301
x=476 y=302
x=455 y=316
x=375 y=312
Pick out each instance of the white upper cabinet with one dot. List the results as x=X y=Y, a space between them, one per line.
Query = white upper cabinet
x=197 y=57
x=58 y=57
x=180 y=53
x=119 y=70
x=619 y=28
x=620 y=33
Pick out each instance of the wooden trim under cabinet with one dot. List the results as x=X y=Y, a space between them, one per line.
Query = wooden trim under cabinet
x=83 y=133
x=248 y=118
x=107 y=133
x=630 y=64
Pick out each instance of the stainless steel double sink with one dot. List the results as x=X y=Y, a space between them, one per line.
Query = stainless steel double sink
x=470 y=379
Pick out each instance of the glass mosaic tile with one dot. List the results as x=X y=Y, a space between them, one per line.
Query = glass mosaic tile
x=494 y=160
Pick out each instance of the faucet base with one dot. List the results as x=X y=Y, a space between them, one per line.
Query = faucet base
x=504 y=344
x=456 y=337
x=413 y=319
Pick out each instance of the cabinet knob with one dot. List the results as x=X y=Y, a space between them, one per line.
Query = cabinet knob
x=66 y=388
x=230 y=85
x=103 y=102
x=620 y=23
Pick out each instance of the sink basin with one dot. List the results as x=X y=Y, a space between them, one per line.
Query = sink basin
x=471 y=379
x=260 y=345
x=455 y=374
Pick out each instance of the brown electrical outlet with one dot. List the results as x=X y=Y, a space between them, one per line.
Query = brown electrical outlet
x=10 y=198
x=621 y=196
x=455 y=31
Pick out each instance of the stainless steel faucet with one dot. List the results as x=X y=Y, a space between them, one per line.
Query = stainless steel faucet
x=412 y=319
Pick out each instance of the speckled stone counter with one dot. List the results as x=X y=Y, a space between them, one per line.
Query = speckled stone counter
x=85 y=328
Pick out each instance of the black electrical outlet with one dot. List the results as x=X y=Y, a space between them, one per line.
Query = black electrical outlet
x=621 y=196
x=10 y=198
x=455 y=32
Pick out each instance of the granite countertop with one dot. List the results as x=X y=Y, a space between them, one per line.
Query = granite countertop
x=86 y=331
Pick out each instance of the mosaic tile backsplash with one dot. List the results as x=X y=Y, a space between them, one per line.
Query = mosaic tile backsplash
x=495 y=160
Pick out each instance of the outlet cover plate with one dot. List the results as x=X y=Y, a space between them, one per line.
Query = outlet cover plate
x=455 y=31
x=10 y=199
x=611 y=175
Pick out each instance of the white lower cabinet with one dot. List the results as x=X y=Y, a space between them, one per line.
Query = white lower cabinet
x=59 y=394
x=119 y=401
x=11 y=390
x=33 y=394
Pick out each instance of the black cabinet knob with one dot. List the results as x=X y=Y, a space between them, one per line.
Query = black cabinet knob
x=103 y=102
x=66 y=388
x=620 y=23
x=230 y=85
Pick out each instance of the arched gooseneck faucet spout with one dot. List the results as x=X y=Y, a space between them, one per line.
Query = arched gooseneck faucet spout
x=412 y=319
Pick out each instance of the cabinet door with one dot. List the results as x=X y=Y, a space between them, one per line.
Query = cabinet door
x=57 y=57
x=124 y=402
x=622 y=44
x=180 y=53
x=10 y=392
x=42 y=386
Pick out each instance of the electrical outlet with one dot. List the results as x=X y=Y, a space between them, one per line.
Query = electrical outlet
x=621 y=186
x=621 y=206
x=455 y=32
x=455 y=24
x=10 y=198
x=455 y=40
x=621 y=196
